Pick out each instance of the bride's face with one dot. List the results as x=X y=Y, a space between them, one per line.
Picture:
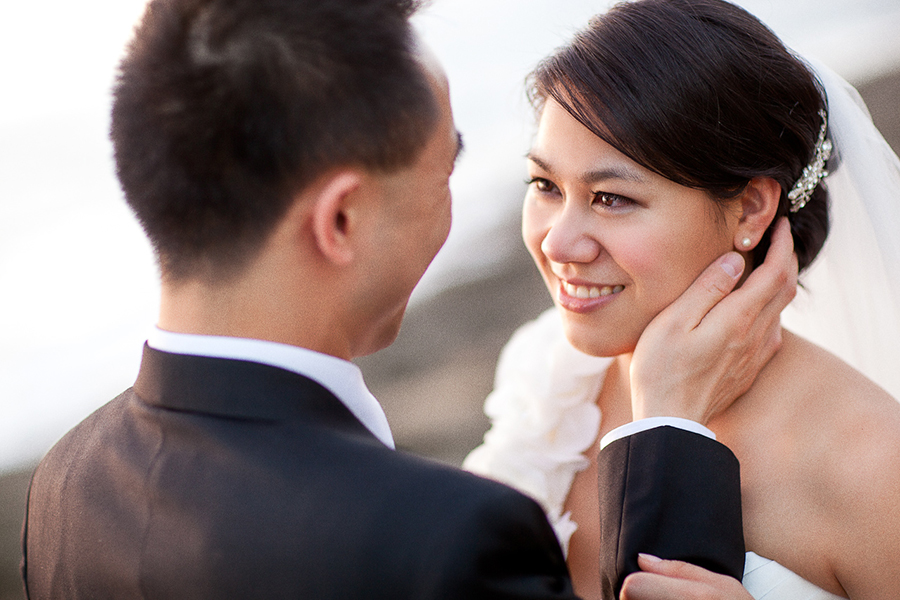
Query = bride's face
x=615 y=242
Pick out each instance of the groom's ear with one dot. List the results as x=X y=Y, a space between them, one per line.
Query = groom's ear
x=334 y=216
x=758 y=206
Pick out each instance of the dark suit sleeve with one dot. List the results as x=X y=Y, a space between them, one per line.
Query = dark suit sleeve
x=673 y=494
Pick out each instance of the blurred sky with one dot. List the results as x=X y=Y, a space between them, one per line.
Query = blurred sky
x=78 y=281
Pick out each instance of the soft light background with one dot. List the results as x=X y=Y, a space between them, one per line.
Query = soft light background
x=77 y=282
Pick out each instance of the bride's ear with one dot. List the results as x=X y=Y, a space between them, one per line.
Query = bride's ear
x=758 y=206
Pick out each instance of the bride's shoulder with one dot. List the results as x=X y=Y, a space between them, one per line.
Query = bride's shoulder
x=858 y=419
x=847 y=431
x=825 y=413
x=828 y=385
x=857 y=453
x=830 y=400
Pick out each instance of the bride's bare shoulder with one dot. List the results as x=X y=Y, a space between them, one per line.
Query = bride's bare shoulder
x=850 y=429
x=817 y=376
x=835 y=412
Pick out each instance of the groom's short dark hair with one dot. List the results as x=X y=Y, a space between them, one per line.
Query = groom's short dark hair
x=224 y=109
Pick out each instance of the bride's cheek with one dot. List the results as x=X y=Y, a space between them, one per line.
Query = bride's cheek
x=640 y=257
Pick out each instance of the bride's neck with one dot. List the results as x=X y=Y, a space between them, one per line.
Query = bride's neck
x=762 y=397
x=615 y=396
x=622 y=366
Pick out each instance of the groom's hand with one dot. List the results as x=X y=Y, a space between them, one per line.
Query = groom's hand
x=675 y=580
x=706 y=348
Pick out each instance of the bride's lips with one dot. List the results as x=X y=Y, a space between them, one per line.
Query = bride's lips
x=581 y=297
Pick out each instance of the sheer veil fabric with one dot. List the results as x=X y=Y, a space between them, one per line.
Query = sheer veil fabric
x=849 y=302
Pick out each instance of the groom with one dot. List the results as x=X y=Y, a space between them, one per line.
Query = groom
x=289 y=161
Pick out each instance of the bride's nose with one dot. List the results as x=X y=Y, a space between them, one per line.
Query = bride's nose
x=570 y=238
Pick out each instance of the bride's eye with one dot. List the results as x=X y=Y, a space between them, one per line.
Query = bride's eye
x=612 y=200
x=544 y=186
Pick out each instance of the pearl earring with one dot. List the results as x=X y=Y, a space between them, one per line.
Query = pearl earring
x=746 y=242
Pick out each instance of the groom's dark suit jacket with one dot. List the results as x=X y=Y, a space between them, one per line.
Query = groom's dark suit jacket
x=216 y=478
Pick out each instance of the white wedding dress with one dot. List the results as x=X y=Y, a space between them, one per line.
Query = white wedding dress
x=544 y=417
x=543 y=410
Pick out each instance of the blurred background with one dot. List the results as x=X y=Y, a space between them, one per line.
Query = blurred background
x=78 y=281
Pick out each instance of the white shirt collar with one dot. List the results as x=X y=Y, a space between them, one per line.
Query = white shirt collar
x=342 y=378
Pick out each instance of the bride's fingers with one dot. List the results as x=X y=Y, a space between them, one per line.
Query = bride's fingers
x=751 y=314
x=650 y=586
x=774 y=282
x=713 y=284
x=767 y=347
x=757 y=307
x=759 y=351
x=671 y=579
x=677 y=569
x=779 y=273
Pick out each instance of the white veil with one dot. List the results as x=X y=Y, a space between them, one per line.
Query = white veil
x=850 y=302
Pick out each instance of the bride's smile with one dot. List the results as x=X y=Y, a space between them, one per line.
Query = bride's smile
x=589 y=291
x=582 y=298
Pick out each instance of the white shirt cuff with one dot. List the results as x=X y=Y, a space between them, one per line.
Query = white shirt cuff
x=652 y=423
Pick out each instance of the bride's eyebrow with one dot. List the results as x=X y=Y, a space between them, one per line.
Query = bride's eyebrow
x=539 y=162
x=622 y=172
x=613 y=172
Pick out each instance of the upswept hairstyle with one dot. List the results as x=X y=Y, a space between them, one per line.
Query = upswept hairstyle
x=224 y=109
x=700 y=92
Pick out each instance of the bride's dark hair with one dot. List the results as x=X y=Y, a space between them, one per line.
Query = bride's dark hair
x=700 y=92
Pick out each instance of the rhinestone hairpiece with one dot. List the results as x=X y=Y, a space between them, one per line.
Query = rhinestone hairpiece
x=814 y=172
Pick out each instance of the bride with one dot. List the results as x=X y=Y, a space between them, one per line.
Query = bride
x=671 y=131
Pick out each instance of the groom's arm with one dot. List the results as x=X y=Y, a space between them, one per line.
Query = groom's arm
x=669 y=493
x=674 y=493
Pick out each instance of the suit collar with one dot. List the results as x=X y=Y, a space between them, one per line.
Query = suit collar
x=341 y=377
x=238 y=389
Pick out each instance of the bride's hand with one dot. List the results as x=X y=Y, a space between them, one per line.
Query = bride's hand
x=706 y=348
x=672 y=579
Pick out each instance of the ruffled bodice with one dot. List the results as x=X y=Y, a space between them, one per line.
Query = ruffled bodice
x=544 y=417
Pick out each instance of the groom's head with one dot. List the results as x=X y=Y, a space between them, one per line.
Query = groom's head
x=226 y=110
